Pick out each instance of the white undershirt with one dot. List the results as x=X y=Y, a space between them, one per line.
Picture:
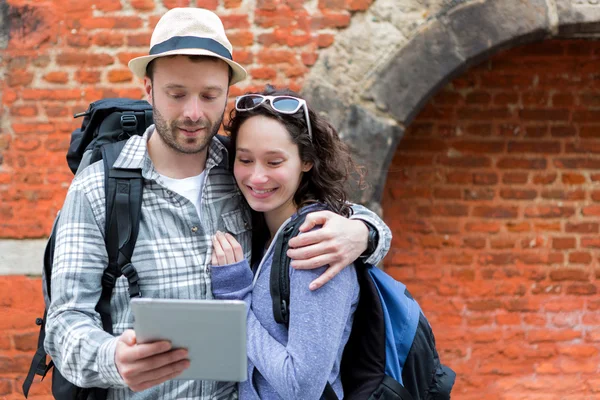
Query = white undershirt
x=190 y=188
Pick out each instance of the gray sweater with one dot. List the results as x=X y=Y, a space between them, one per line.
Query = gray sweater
x=294 y=364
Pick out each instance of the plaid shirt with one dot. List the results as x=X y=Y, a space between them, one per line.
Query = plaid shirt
x=172 y=257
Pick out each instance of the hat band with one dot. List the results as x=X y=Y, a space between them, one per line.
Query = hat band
x=190 y=42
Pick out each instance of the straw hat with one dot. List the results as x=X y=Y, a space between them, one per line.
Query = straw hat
x=189 y=31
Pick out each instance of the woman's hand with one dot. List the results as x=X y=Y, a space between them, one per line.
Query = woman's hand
x=226 y=250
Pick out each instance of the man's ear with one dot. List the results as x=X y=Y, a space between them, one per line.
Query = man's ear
x=306 y=166
x=148 y=89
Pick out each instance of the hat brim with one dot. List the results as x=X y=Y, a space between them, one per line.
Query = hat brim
x=138 y=65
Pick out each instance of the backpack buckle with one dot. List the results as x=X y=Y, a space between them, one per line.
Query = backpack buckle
x=129 y=123
x=132 y=277
x=108 y=280
x=129 y=271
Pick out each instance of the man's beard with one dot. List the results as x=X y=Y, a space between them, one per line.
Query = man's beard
x=166 y=130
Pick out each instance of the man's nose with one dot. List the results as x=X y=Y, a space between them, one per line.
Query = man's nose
x=193 y=109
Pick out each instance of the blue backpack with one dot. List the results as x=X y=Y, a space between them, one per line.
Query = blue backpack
x=390 y=354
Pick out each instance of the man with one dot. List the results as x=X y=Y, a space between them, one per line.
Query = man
x=189 y=194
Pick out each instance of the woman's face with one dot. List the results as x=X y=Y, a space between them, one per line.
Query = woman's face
x=267 y=166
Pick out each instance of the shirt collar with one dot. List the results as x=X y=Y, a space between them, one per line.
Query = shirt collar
x=135 y=155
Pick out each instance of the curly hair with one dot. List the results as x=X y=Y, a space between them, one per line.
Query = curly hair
x=331 y=160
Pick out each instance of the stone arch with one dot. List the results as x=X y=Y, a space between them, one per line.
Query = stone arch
x=372 y=89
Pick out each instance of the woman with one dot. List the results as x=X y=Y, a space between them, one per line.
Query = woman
x=288 y=161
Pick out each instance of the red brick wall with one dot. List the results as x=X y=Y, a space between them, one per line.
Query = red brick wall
x=494 y=199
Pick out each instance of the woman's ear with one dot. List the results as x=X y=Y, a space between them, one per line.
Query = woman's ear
x=306 y=166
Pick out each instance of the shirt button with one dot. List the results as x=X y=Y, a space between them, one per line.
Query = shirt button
x=170 y=193
x=208 y=269
x=194 y=229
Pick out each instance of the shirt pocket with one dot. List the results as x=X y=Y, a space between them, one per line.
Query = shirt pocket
x=235 y=222
x=238 y=223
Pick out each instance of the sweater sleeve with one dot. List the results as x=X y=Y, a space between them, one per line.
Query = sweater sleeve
x=318 y=320
x=383 y=231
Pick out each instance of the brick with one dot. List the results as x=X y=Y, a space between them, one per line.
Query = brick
x=502 y=243
x=446 y=210
x=87 y=76
x=545 y=179
x=534 y=147
x=113 y=40
x=496 y=259
x=270 y=56
x=82 y=59
x=485 y=178
x=119 y=75
x=571 y=195
x=521 y=163
x=17 y=78
x=515 y=178
x=56 y=77
x=143 y=5
x=482 y=227
x=577 y=163
x=474 y=243
x=479 y=194
x=564 y=243
x=535 y=98
x=24 y=111
x=263 y=73
x=107 y=23
x=516 y=194
x=591 y=211
x=294 y=71
x=26 y=341
x=241 y=38
x=563 y=131
x=447 y=193
x=584 y=227
x=586 y=116
x=536 y=131
x=80 y=41
x=549 y=212
x=553 y=336
x=331 y=20
x=585 y=289
x=109 y=5
x=484 y=305
x=569 y=274
x=5 y=386
x=459 y=178
x=580 y=258
x=464 y=161
x=232 y=3
x=495 y=212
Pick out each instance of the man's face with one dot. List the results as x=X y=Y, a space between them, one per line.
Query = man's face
x=188 y=100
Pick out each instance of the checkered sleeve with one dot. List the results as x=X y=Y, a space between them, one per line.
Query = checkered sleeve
x=82 y=351
x=384 y=232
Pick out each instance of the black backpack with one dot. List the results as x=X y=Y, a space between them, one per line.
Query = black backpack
x=106 y=126
x=391 y=353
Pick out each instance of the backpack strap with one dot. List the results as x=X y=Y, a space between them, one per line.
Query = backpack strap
x=279 y=281
x=123 y=207
x=38 y=363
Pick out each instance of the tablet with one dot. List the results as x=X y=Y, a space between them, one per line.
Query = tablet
x=213 y=331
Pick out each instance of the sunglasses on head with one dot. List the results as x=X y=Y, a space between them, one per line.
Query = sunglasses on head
x=281 y=104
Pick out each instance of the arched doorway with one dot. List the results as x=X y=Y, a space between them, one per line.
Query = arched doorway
x=493 y=196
